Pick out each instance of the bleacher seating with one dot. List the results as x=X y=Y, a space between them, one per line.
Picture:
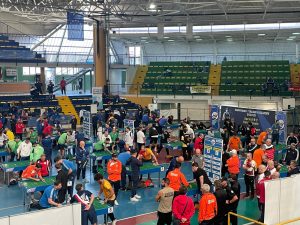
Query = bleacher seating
x=247 y=77
x=182 y=75
x=10 y=51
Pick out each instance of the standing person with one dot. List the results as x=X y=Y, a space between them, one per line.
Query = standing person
x=94 y=124
x=50 y=89
x=47 y=145
x=236 y=188
x=36 y=153
x=70 y=169
x=200 y=176
x=73 y=123
x=63 y=85
x=108 y=192
x=12 y=147
x=114 y=170
x=62 y=143
x=186 y=140
x=183 y=208
x=140 y=139
x=62 y=177
x=292 y=153
x=270 y=149
x=86 y=199
x=231 y=199
x=233 y=163
x=82 y=156
x=262 y=137
x=250 y=168
x=13 y=123
x=20 y=127
x=49 y=197
x=153 y=134
x=221 y=195
x=275 y=132
x=250 y=132
x=177 y=178
x=198 y=158
x=234 y=143
x=123 y=157
x=252 y=146
x=174 y=161
x=208 y=208
x=199 y=142
x=128 y=137
x=24 y=150
x=260 y=190
x=165 y=198
x=135 y=163
x=292 y=139
x=258 y=155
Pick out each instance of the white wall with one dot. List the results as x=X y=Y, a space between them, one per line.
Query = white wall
x=115 y=77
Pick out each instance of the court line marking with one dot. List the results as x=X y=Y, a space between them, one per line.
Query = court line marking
x=131 y=217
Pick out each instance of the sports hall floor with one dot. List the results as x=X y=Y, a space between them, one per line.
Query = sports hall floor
x=139 y=213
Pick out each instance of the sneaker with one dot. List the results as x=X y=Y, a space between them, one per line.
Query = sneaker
x=116 y=202
x=114 y=222
x=134 y=199
x=137 y=196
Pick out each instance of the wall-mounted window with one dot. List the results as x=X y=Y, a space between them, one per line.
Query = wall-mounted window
x=31 y=71
x=134 y=55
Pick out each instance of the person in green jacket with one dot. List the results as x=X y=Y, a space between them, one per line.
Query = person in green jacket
x=37 y=152
x=12 y=147
x=114 y=134
x=33 y=135
x=99 y=146
x=62 y=143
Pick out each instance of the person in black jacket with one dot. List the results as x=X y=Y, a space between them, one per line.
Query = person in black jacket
x=62 y=177
x=291 y=154
x=135 y=163
x=82 y=155
x=221 y=196
x=292 y=139
x=293 y=169
x=73 y=123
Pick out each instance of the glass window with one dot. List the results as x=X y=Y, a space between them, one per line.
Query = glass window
x=26 y=71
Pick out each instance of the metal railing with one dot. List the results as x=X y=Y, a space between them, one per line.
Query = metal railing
x=243 y=217
x=289 y=221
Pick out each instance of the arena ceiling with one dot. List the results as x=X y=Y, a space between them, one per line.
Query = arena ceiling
x=131 y=13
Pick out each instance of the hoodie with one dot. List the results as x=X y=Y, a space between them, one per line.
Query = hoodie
x=183 y=207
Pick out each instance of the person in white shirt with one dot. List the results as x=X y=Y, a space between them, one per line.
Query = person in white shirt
x=106 y=135
x=249 y=167
x=140 y=138
x=3 y=139
x=24 y=150
x=100 y=131
x=128 y=137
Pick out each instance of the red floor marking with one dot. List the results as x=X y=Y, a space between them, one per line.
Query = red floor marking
x=138 y=219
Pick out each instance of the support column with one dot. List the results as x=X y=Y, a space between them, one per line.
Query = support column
x=43 y=79
x=99 y=55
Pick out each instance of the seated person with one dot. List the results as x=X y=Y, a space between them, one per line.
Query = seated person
x=270 y=82
x=293 y=168
x=50 y=196
x=275 y=89
x=264 y=88
x=33 y=172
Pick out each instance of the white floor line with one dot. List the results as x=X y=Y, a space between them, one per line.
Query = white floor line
x=137 y=215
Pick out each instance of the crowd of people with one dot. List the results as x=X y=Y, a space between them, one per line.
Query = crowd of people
x=134 y=148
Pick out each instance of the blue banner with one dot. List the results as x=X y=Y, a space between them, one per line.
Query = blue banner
x=214 y=117
x=213 y=157
x=282 y=119
x=260 y=119
x=75 y=26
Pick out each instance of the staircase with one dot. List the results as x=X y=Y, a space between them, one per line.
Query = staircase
x=214 y=79
x=138 y=79
x=67 y=107
x=70 y=79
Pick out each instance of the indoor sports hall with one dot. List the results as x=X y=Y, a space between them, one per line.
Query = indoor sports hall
x=145 y=112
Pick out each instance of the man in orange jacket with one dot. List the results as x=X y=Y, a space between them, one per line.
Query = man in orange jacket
x=208 y=208
x=234 y=143
x=233 y=163
x=263 y=136
x=114 y=170
x=176 y=179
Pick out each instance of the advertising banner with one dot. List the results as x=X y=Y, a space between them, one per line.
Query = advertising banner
x=215 y=117
x=200 y=89
x=213 y=157
x=282 y=119
x=260 y=119
x=97 y=97
x=87 y=124
x=129 y=123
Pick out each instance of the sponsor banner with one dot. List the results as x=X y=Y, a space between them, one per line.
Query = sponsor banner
x=202 y=89
x=282 y=119
x=214 y=117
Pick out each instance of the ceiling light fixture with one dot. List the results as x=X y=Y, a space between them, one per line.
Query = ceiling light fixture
x=199 y=39
x=170 y=40
x=289 y=39
x=196 y=36
x=166 y=37
x=152 y=6
x=292 y=37
x=228 y=36
x=229 y=39
x=296 y=33
x=261 y=34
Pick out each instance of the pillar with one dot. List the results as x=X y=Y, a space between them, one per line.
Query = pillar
x=99 y=55
x=43 y=79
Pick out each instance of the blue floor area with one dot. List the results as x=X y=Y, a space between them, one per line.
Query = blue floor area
x=12 y=197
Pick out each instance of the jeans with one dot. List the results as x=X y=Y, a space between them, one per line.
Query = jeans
x=164 y=218
x=262 y=212
x=249 y=182
x=63 y=90
x=135 y=182
x=123 y=177
x=116 y=186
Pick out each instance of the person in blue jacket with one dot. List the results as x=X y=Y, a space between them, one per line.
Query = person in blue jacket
x=135 y=163
x=47 y=145
x=50 y=196
x=82 y=156
x=70 y=169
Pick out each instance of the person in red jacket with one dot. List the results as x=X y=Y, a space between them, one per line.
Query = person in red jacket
x=45 y=163
x=63 y=85
x=183 y=208
x=47 y=130
x=233 y=163
x=208 y=207
x=20 y=128
x=270 y=149
x=261 y=192
x=199 y=142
